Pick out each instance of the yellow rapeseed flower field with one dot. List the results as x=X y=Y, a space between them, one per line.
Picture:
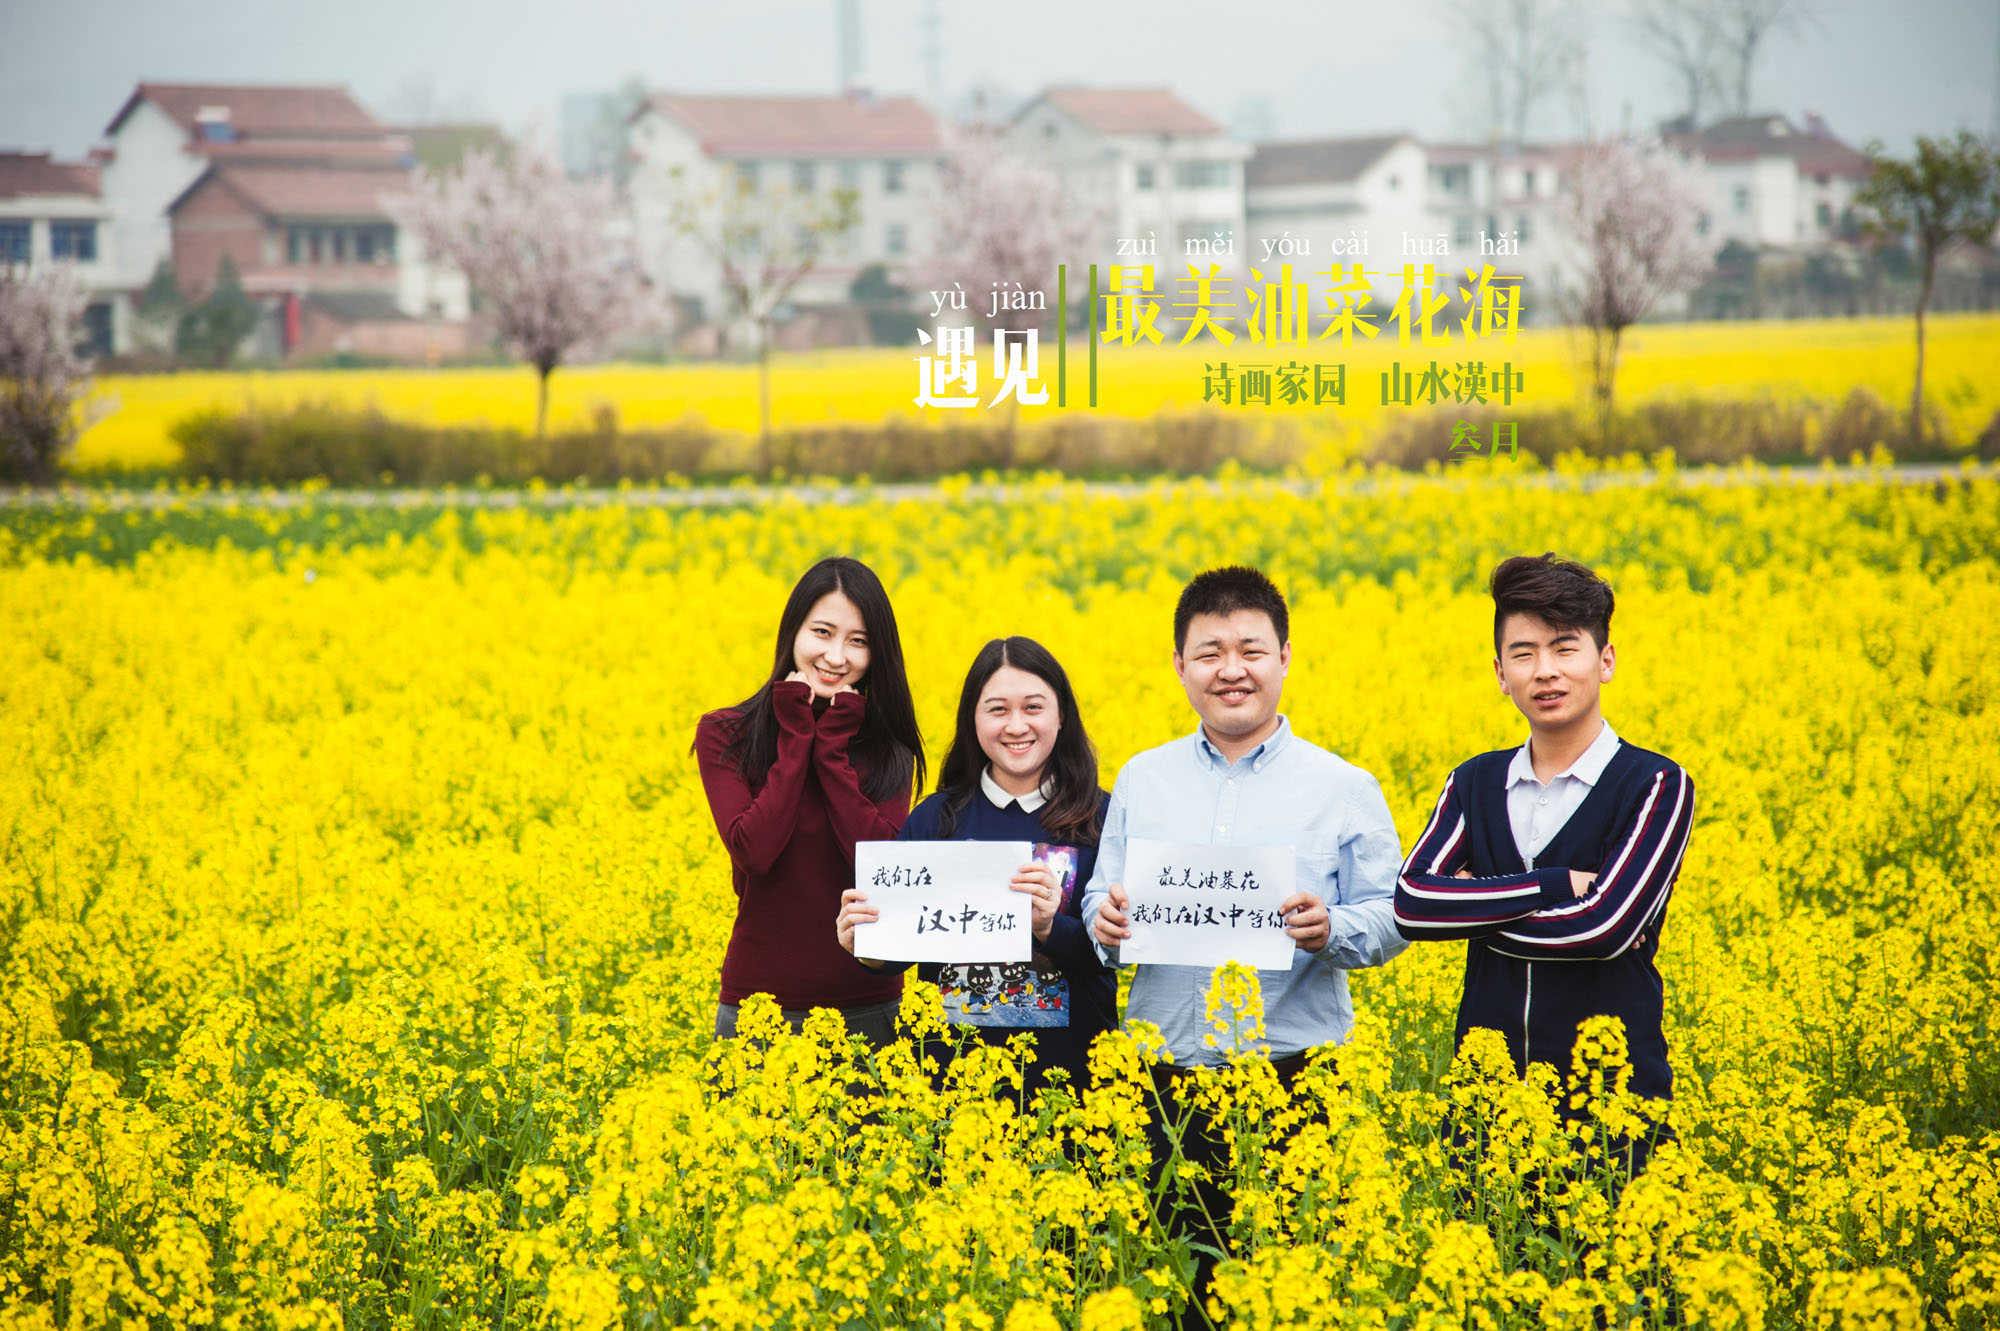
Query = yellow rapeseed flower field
x=1785 y=361
x=360 y=919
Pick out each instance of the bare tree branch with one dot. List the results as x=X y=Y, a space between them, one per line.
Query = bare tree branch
x=1518 y=48
x=1687 y=37
x=1744 y=26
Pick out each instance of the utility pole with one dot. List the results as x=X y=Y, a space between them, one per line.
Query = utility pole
x=849 y=45
x=933 y=22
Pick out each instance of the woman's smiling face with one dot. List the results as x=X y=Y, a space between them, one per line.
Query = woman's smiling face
x=1017 y=720
x=831 y=650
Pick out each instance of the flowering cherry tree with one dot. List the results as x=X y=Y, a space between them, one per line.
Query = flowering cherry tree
x=1634 y=211
x=534 y=245
x=999 y=218
x=42 y=378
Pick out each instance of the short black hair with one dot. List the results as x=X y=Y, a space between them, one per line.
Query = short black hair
x=1560 y=592
x=1224 y=591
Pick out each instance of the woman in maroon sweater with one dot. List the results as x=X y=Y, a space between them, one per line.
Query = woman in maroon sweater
x=823 y=755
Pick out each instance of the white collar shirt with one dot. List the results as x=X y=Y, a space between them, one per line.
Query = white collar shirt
x=1537 y=811
x=1029 y=802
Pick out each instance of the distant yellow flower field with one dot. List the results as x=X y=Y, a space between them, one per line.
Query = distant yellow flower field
x=1818 y=358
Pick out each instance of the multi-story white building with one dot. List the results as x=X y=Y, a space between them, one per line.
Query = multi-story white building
x=54 y=212
x=279 y=154
x=1500 y=204
x=1773 y=184
x=1346 y=201
x=1149 y=166
x=705 y=149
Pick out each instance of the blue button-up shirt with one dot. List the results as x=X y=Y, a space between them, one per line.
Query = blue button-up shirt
x=1285 y=792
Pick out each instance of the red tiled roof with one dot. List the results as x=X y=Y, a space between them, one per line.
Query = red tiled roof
x=306 y=191
x=258 y=111
x=387 y=151
x=1746 y=138
x=23 y=174
x=803 y=126
x=1452 y=154
x=1316 y=161
x=1130 y=110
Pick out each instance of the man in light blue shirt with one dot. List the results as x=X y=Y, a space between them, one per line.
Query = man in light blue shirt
x=1244 y=779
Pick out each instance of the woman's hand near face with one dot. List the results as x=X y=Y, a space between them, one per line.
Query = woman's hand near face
x=854 y=909
x=820 y=690
x=1040 y=881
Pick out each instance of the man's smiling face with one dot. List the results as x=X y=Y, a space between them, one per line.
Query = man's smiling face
x=1233 y=668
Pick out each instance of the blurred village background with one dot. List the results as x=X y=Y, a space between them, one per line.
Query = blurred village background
x=274 y=281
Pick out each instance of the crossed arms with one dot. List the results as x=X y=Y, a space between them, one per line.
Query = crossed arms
x=1536 y=915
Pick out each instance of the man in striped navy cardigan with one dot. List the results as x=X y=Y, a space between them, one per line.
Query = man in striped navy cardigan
x=1555 y=860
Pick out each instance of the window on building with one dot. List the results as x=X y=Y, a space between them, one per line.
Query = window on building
x=892 y=177
x=14 y=242
x=804 y=178
x=339 y=245
x=1742 y=198
x=73 y=240
x=314 y=246
x=1823 y=214
x=1454 y=179
x=96 y=329
x=850 y=175
x=1702 y=224
x=1528 y=181
x=294 y=244
x=746 y=176
x=1143 y=176
x=364 y=245
x=1521 y=225
x=895 y=239
x=1463 y=232
x=1201 y=175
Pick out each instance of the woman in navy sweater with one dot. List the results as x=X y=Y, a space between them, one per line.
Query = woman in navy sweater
x=1021 y=768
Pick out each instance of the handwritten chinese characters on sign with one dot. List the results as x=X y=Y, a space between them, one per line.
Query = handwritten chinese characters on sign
x=943 y=901
x=1205 y=905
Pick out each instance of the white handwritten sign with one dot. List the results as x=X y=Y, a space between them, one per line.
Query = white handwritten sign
x=944 y=901
x=1204 y=905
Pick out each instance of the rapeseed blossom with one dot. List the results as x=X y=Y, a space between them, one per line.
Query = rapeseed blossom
x=359 y=934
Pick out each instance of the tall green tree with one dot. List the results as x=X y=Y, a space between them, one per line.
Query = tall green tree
x=158 y=313
x=1947 y=195
x=213 y=330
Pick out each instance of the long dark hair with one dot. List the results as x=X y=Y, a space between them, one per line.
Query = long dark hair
x=1071 y=774
x=888 y=751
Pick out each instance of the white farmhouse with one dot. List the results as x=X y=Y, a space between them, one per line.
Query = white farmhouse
x=1772 y=184
x=887 y=150
x=1346 y=201
x=54 y=212
x=1152 y=168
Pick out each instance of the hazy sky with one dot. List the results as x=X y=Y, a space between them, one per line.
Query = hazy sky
x=1875 y=69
